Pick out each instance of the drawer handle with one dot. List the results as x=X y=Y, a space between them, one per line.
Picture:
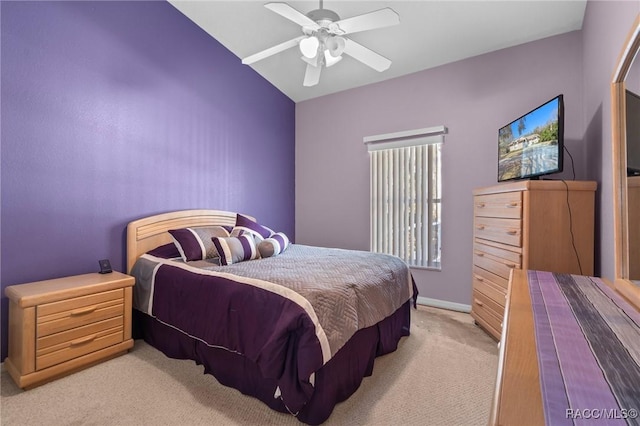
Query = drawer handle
x=479 y=303
x=479 y=278
x=83 y=340
x=481 y=205
x=512 y=204
x=512 y=232
x=480 y=227
x=83 y=311
x=510 y=265
x=479 y=254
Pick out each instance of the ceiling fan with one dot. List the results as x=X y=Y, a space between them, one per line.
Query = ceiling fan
x=323 y=40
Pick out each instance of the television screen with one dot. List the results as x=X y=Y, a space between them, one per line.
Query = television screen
x=531 y=145
x=633 y=134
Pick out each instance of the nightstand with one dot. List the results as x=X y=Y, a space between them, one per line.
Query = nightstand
x=60 y=326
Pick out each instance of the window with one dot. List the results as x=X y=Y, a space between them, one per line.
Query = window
x=405 y=170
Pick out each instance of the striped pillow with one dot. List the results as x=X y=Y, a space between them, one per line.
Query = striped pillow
x=246 y=225
x=274 y=245
x=235 y=249
x=195 y=243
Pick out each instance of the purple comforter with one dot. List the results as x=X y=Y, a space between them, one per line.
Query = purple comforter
x=288 y=314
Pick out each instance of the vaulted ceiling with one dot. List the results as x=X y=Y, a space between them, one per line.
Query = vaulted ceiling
x=430 y=33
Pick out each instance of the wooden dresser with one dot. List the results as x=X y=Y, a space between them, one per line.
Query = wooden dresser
x=518 y=397
x=633 y=194
x=63 y=325
x=525 y=225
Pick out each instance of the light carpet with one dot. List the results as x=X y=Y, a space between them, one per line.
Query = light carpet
x=443 y=374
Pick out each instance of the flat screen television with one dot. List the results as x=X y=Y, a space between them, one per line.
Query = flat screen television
x=532 y=145
x=633 y=134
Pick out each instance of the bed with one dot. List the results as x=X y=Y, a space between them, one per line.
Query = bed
x=297 y=327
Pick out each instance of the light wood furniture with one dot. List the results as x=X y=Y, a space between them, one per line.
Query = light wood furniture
x=622 y=214
x=525 y=225
x=633 y=201
x=518 y=399
x=59 y=326
x=150 y=232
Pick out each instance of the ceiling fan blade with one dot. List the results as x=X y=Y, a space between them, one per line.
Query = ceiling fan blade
x=366 y=56
x=312 y=75
x=272 y=50
x=380 y=18
x=292 y=14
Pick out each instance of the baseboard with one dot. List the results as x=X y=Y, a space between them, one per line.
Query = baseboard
x=443 y=304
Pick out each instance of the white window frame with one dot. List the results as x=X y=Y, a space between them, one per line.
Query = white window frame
x=392 y=155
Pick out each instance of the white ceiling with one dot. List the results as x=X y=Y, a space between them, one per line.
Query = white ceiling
x=430 y=33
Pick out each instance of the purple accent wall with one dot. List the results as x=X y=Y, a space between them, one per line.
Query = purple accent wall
x=112 y=111
x=473 y=98
x=605 y=28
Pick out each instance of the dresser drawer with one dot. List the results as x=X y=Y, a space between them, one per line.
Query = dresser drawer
x=490 y=276
x=482 y=300
x=504 y=205
x=496 y=265
x=510 y=256
x=506 y=231
x=67 y=314
x=487 y=325
x=487 y=312
x=490 y=289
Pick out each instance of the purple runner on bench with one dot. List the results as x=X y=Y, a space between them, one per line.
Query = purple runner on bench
x=588 y=346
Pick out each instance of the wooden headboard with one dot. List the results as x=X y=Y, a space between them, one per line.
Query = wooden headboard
x=150 y=232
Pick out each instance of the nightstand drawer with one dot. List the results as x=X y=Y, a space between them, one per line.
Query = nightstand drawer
x=57 y=341
x=78 y=347
x=79 y=311
x=505 y=205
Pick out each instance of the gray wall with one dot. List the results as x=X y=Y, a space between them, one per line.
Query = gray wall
x=473 y=98
x=604 y=31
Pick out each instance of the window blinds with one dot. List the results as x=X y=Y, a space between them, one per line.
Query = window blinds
x=405 y=198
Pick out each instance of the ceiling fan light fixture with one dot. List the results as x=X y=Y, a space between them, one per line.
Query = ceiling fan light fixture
x=329 y=59
x=309 y=46
x=324 y=38
x=335 y=45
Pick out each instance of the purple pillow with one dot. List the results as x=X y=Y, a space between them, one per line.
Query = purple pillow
x=166 y=251
x=274 y=245
x=246 y=225
x=195 y=243
x=235 y=249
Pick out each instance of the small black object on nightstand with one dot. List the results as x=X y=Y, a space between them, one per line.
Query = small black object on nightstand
x=105 y=266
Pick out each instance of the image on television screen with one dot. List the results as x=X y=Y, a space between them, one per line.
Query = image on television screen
x=532 y=145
